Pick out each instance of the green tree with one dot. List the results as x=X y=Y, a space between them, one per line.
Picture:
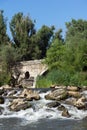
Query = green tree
x=76 y=43
x=3 y=36
x=35 y=52
x=22 y=29
x=8 y=59
x=76 y=30
x=58 y=35
x=67 y=59
x=44 y=36
x=56 y=52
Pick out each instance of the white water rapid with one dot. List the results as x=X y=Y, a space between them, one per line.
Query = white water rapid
x=39 y=110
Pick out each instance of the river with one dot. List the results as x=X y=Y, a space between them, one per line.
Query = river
x=43 y=124
x=40 y=117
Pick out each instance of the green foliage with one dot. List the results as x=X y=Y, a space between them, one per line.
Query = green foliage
x=58 y=77
x=76 y=30
x=4 y=78
x=75 y=80
x=69 y=58
x=76 y=42
x=55 y=54
x=84 y=83
x=3 y=36
x=8 y=57
x=58 y=35
x=22 y=29
x=54 y=76
x=44 y=36
x=76 y=56
x=29 y=43
x=66 y=58
x=34 y=52
x=43 y=82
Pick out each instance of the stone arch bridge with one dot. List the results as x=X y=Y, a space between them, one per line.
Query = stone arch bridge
x=34 y=67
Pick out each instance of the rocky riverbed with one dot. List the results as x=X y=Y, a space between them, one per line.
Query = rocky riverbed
x=33 y=104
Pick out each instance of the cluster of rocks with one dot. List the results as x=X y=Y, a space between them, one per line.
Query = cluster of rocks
x=20 y=99
x=70 y=95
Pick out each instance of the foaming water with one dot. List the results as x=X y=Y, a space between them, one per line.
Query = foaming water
x=39 y=111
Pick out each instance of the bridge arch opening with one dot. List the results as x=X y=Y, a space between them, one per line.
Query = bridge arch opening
x=45 y=72
x=27 y=75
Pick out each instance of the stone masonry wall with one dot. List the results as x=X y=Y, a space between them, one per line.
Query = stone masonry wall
x=34 y=67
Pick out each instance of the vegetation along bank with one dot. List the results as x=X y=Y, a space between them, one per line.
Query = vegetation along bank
x=66 y=57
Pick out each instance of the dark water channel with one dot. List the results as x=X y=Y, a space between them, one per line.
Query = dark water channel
x=44 y=124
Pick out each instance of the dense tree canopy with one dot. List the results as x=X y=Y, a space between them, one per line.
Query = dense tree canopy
x=44 y=36
x=76 y=40
x=55 y=53
x=30 y=44
x=22 y=28
x=76 y=30
x=69 y=57
x=66 y=57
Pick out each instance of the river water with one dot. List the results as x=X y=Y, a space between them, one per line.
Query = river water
x=43 y=124
x=40 y=117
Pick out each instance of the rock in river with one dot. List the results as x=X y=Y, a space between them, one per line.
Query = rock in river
x=58 y=94
x=53 y=104
x=19 y=104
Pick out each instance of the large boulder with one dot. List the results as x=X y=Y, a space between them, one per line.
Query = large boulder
x=72 y=88
x=30 y=94
x=53 y=104
x=80 y=103
x=19 y=104
x=70 y=101
x=26 y=92
x=33 y=96
x=49 y=97
x=58 y=94
x=74 y=94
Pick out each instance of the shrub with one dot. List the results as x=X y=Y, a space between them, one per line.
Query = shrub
x=4 y=78
x=56 y=77
x=42 y=82
x=75 y=79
